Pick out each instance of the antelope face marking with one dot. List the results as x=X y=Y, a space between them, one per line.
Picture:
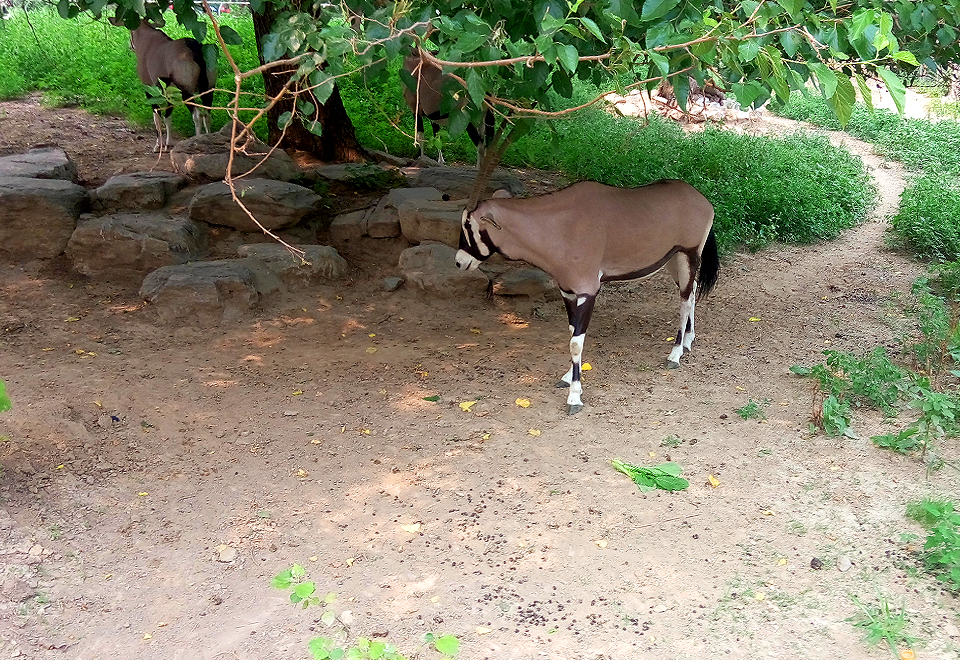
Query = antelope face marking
x=475 y=245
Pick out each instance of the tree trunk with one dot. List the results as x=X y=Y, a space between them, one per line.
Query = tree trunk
x=337 y=141
x=953 y=76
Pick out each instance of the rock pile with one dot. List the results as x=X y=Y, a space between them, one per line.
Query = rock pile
x=154 y=229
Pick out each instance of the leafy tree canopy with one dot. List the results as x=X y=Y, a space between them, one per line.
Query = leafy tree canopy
x=510 y=54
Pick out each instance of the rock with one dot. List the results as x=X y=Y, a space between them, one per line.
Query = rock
x=14 y=589
x=130 y=245
x=388 y=159
x=350 y=172
x=275 y=204
x=319 y=262
x=431 y=220
x=816 y=564
x=531 y=282
x=384 y=220
x=392 y=283
x=951 y=630
x=843 y=563
x=349 y=226
x=40 y=163
x=207 y=155
x=431 y=267
x=137 y=191
x=39 y=216
x=457 y=182
x=226 y=554
x=206 y=292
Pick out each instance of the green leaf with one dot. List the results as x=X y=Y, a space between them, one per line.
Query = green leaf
x=866 y=94
x=843 y=100
x=654 y=9
x=895 y=86
x=801 y=370
x=435 y=397
x=4 y=399
x=665 y=476
x=230 y=36
x=447 y=644
x=304 y=590
x=328 y=618
x=593 y=27
x=906 y=56
x=663 y=64
x=826 y=77
x=476 y=87
x=568 y=57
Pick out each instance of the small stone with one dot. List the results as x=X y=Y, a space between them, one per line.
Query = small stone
x=226 y=554
x=290 y=413
x=844 y=564
x=392 y=283
x=36 y=551
x=951 y=630
x=816 y=564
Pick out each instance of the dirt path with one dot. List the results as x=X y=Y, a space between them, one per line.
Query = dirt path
x=154 y=479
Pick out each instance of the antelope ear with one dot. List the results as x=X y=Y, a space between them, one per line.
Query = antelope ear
x=502 y=193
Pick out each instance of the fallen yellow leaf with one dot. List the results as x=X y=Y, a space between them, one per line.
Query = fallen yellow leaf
x=767 y=512
x=72 y=319
x=301 y=473
x=372 y=334
x=297 y=392
x=143 y=494
x=523 y=403
x=586 y=366
x=350 y=561
x=713 y=481
x=371 y=350
x=760 y=595
x=475 y=331
x=485 y=436
x=755 y=319
x=465 y=406
x=147 y=636
x=782 y=562
x=534 y=432
x=412 y=528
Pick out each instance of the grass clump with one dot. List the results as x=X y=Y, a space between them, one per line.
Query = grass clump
x=941 y=554
x=882 y=623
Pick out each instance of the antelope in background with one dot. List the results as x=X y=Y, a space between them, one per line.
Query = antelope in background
x=590 y=233
x=179 y=63
x=424 y=95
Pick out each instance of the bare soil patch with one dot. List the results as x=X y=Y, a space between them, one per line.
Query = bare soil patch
x=139 y=456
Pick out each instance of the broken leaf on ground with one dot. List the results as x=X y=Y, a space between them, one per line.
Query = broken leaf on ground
x=665 y=476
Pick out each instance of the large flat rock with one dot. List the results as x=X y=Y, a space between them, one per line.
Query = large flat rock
x=432 y=268
x=275 y=204
x=130 y=245
x=207 y=156
x=40 y=163
x=38 y=216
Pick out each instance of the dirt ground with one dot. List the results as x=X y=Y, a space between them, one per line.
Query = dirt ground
x=154 y=479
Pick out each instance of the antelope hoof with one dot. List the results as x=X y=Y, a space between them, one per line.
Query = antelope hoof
x=562 y=384
x=672 y=365
x=574 y=408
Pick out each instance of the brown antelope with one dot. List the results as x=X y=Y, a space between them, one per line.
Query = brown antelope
x=425 y=97
x=590 y=233
x=179 y=63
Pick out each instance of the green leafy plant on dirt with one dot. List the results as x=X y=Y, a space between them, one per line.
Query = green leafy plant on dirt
x=881 y=623
x=665 y=476
x=754 y=409
x=303 y=593
x=846 y=381
x=941 y=550
x=5 y=403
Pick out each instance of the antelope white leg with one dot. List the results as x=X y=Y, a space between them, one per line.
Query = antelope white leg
x=158 y=125
x=689 y=335
x=574 y=404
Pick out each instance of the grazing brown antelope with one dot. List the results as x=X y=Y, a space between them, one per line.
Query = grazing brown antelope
x=590 y=233
x=425 y=97
x=179 y=63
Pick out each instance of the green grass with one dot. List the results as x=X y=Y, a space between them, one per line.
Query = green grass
x=927 y=223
